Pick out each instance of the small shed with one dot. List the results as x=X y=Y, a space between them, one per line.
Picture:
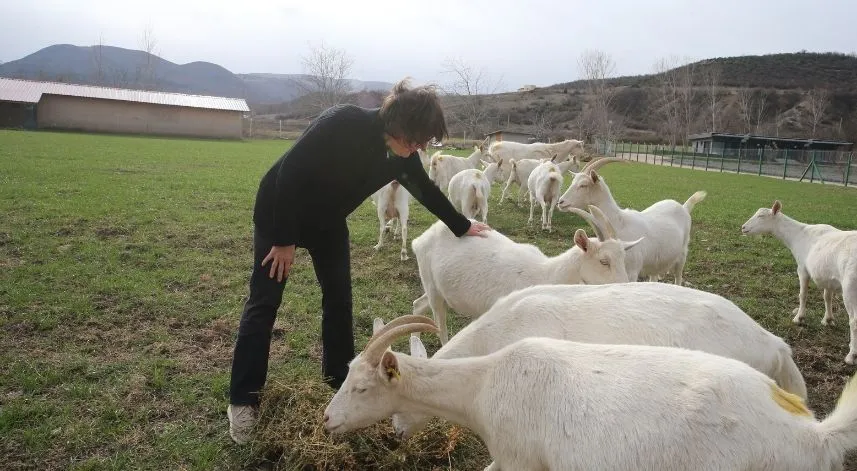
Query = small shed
x=514 y=136
x=726 y=144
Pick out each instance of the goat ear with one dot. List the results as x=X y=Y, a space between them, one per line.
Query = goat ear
x=581 y=240
x=776 y=207
x=418 y=350
x=390 y=367
x=377 y=324
x=499 y=163
x=594 y=176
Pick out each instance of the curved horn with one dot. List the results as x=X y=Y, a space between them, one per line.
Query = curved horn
x=596 y=164
x=599 y=232
x=609 y=230
x=376 y=348
x=401 y=320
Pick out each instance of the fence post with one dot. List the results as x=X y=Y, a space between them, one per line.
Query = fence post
x=848 y=168
x=707 y=155
x=738 y=171
x=722 y=157
x=811 y=169
x=761 y=154
x=786 y=165
x=693 y=161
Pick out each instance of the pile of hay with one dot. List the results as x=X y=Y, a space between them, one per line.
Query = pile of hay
x=291 y=435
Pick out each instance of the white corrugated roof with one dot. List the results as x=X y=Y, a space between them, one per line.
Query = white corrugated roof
x=28 y=91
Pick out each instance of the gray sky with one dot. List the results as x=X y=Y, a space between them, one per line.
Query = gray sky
x=514 y=42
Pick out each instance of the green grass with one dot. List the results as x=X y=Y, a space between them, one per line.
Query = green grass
x=123 y=269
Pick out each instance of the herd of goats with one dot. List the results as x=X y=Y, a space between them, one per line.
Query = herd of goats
x=570 y=362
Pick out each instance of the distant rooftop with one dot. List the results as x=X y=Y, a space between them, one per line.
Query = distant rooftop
x=709 y=135
x=30 y=91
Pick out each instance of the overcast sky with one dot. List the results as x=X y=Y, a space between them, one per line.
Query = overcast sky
x=514 y=42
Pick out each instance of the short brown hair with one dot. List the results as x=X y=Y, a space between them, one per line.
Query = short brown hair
x=413 y=114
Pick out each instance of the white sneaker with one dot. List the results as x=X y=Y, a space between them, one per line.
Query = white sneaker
x=242 y=419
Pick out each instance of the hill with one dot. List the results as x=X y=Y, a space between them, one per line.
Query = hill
x=767 y=94
x=120 y=67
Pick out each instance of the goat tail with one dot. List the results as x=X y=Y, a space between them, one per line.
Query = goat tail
x=694 y=198
x=476 y=189
x=839 y=430
x=787 y=374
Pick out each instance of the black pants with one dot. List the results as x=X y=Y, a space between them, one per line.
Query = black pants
x=331 y=258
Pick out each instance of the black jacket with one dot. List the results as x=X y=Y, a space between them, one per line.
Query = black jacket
x=338 y=162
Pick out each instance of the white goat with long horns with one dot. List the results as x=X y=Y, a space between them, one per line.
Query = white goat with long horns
x=665 y=224
x=543 y=403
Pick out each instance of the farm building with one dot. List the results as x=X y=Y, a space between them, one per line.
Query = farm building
x=729 y=144
x=49 y=105
x=522 y=137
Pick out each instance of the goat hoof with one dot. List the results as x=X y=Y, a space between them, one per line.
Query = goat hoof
x=850 y=358
x=827 y=322
x=796 y=319
x=377 y=247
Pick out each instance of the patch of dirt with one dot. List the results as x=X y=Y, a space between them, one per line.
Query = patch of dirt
x=107 y=232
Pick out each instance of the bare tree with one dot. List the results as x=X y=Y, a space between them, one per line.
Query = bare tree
x=781 y=119
x=712 y=79
x=817 y=102
x=596 y=67
x=326 y=80
x=667 y=99
x=760 y=107
x=745 y=107
x=146 y=71
x=98 y=60
x=686 y=95
x=544 y=122
x=472 y=93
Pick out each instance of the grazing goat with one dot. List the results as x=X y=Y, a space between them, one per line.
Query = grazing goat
x=543 y=403
x=620 y=313
x=392 y=203
x=824 y=254
x=443 y=167
x=448 y=280
x=470 y=189
x=666 y=224
x=508 y=150
x=520 y=171
x=544 y=185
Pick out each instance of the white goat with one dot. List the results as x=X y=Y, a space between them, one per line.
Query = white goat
x=508 y=150
x=425 y=158
x=446 y=280
x=824 y=254
x=392 y=203
x=520 y=171
x=470 y=189
x=542 y=403
x=545 y=185
x=443 y=167
x=629 y=313
x=666 y=224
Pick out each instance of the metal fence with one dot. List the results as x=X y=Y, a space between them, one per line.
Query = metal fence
x=795 y=164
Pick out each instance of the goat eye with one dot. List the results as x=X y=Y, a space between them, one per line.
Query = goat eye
x=361 y=390
x=605 y=262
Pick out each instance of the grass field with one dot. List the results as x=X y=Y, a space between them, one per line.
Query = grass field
x=123 y=269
